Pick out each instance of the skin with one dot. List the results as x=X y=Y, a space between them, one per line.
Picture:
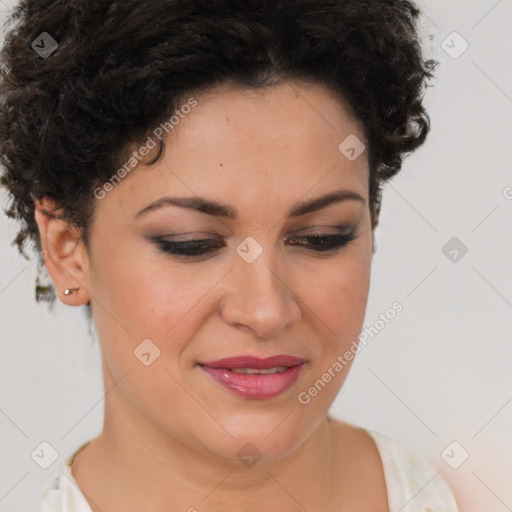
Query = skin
x=169 y=427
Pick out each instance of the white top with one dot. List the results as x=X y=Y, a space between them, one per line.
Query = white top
x=413 y=484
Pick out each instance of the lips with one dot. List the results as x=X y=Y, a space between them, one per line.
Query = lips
x=255 y=378
x=254 y=362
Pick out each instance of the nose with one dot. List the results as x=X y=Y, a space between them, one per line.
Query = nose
x=260 y=300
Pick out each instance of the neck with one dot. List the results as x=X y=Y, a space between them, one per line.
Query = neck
x=132 y=456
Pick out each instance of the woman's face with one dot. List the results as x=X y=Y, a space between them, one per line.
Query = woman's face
x=260 y=289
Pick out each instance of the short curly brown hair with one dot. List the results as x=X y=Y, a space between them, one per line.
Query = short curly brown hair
x=122 y=66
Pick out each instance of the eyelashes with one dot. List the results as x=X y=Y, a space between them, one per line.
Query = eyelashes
x=316 y=242
x=323 y=243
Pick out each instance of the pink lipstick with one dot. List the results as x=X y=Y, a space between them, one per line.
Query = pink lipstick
x=255 y=378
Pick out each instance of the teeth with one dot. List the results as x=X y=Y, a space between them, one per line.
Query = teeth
x=264 y=371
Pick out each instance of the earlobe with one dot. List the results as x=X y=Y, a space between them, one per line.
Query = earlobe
x=64 y=254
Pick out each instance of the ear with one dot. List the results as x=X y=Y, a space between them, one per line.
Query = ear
x=374 y=245
x=64 y=254
x=375 y=214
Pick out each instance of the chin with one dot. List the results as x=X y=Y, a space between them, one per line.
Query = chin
x=262 y=436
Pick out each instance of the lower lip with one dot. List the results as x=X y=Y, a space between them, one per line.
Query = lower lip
x=256 y=386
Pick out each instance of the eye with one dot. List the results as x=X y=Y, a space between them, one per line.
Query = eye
x=322 y=242
x=314 y=241
x=189 y=248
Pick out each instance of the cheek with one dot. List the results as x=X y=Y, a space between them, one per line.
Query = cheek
x=150 y=297
x=150 y=294
x=338 y=305
x=139 y=293
x=344 y=286
x=339 y=298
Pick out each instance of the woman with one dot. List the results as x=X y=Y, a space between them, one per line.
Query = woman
x=206 y=180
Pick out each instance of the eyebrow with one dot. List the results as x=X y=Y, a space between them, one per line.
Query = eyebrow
x=216 y=209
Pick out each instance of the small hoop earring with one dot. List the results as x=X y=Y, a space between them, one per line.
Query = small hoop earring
x=69 y=291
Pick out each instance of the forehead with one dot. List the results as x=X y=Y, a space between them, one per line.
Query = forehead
x=284 y=113
x=266 y=147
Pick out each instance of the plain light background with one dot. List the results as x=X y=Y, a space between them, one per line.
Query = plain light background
x=438 y=373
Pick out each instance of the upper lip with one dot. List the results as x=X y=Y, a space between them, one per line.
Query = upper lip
x=254 y=362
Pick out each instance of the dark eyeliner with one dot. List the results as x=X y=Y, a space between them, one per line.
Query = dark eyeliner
x=314 y=241
x=189 y=248
x=324 y=243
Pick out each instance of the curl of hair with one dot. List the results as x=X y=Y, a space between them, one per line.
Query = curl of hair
x=122 y=67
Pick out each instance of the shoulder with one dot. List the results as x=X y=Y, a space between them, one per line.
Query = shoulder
x=63 y=494
x=413 y=483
